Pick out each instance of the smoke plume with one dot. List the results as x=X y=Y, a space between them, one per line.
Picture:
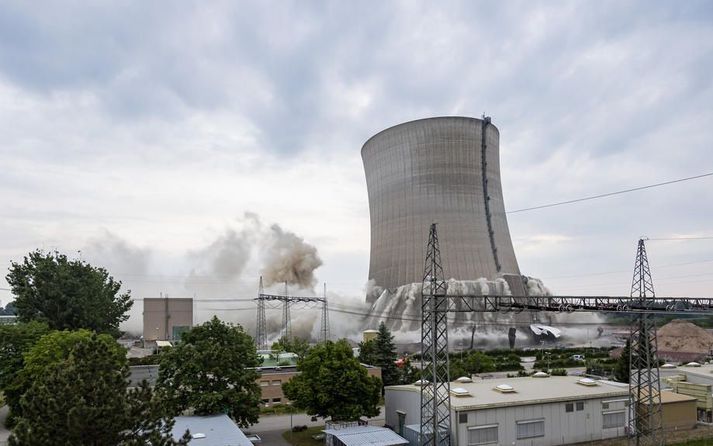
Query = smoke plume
x=289 y=259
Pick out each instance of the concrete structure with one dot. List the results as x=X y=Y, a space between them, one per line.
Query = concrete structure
x=555 y=410
x=678 y=411
x=696 y=382
x=363 y=436
x=213 y=430
x=444 y=170
x=166 y=318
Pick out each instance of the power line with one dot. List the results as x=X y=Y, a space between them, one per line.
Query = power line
x=609 y=194
x=681 y=238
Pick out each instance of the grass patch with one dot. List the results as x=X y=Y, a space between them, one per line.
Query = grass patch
x=701 y=442
x=304 y=438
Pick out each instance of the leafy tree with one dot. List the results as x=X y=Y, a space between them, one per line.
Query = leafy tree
x=82 y=400
x=622 y=371
x=298 y=346
x=51 y=349
x=478 y=362
x=150 y=424
x=9 y=309
x=332 y=383
x=67 y=294
x=15 y=341
x=212 y=371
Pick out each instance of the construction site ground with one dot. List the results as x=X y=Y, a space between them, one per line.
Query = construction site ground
x=673 y=438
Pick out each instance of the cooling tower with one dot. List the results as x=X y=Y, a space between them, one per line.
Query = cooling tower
x=444 y=170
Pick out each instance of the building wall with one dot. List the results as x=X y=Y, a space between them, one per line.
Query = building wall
x=561 y=427
x=271 y=382
x=177 y=312
x=431 y=170
x=679 y=415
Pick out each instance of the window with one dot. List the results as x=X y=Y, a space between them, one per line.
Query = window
x=276 y=382
x=580 y=405
x=264 y=383
x=483 y=435
x=605 y=406
x=569 y=407
x=613 y=419
x=530 y=429
x=462 y=417
x=266 y=402
x=276 y=400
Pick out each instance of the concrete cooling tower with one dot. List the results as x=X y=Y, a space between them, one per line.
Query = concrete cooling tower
x=444 y=170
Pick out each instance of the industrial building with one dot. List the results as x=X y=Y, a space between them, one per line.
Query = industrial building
x=444 y=170
x=554 y=410
x=166 y=318
x=694 y=380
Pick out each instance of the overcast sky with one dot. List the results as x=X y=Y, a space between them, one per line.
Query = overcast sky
x=140 y=133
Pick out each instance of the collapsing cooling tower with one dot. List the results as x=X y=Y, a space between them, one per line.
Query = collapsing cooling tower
x=444 y=170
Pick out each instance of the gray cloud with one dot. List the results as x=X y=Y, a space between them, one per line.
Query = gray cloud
x=156 y=121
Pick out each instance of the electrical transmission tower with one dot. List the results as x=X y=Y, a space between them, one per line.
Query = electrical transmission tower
x=265 y=301
x=435 y=389
x=645 y=427
x=261 y=326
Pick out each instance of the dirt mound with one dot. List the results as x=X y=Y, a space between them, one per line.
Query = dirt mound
x=682 y=336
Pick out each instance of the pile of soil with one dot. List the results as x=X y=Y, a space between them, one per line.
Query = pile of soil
x=683 y=336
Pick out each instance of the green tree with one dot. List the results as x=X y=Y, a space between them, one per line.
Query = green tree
x=83 y=400
x=212 y=371
x=298 y=346
x=622 y=371
x=51 y=349
x=67 y=294
x=15 y=341
x=478 y=362
x=332 y=383
x=381 y=352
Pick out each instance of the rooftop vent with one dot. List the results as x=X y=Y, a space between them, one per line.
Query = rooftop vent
x=693 y=364
x=197 y=435
x=589 y=382
x=504 y=388
x=668 y=365
x=464 y=379
x=460 y=391
x=421 y=382
x=540 y=375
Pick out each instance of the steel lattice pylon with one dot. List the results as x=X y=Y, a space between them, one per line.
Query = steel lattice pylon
x=435 y=391
x=645 y=425
x=261 y=328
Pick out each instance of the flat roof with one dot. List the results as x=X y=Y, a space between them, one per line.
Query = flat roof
x=367 y=436
x=217 y=430
x=482 y=394
x=672 y=397
x=705 y=370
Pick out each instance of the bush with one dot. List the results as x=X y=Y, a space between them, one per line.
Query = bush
x=559 y=372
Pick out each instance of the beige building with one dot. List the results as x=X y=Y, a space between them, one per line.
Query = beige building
x=166 y=318
x=678 y=411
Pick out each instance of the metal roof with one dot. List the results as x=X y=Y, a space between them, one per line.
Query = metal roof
x=219 y=430
x=367 y=436
x=527 y=391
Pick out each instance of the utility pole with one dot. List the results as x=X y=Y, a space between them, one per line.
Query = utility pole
x=435 y=379
x=645 y=427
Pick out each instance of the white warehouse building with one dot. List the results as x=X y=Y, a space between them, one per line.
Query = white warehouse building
x=545 y=411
